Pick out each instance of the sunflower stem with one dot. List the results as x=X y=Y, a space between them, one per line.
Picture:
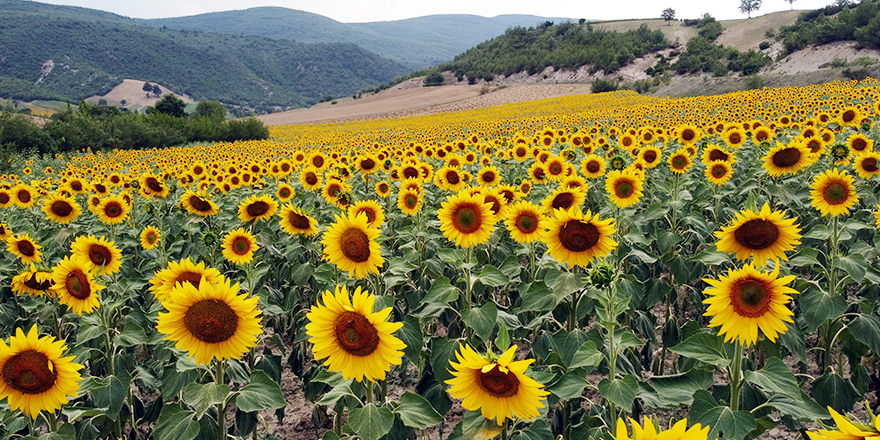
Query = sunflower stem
x=369 y=388
x=533 y=268
x=221 y=407
x=504 y=430
x=735 y=373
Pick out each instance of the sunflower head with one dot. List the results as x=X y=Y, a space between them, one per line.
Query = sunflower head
x=75 y=286
x=467 y=219
x=647 y=431
x=576 y=238
x=256 y=207
x=101 y=256
x=351 y=245
x=833 y=192
x=239 y=246
x=150 y=237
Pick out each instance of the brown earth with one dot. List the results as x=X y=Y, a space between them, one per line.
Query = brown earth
x=131 y=90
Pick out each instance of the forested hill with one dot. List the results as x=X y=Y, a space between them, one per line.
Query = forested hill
x=57 y=52
x=416 y=42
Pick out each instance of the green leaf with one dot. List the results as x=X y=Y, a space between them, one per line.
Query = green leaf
x=176 y=424
x=482 y=320
x=538 y=431
x=818 y=232
x=563 y=283
x=566 y=344
x=203 y=396
x=678 y=389
x=111 y=394
x=866 y=329
x=587 y=356
x=775 y=377
x=492 y=276
x=370 y=422
x=643 y=256
x=441 y=292
x=261 y=393
x=174 y=381
x=571 y=385
x=710 y=257
x=416 y=412
x=537 y=297
x=476 y=427
x=626 y=339
x=666 y=240
x=855 y=265
x=502 y=342
x=621 y=392
x=803 y=408
x=338 y=392
x=725 y=423
x=804 y=257
x=451 y=256
x=835 y=391
x=817 y=307
x=411 y=335
x=703 y=347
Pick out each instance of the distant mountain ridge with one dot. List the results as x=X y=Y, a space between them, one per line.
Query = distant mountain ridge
x=416 y=42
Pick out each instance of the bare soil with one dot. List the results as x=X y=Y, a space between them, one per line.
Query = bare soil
x=131 y=90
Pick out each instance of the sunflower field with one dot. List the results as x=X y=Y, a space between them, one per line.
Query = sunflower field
x=607 y=266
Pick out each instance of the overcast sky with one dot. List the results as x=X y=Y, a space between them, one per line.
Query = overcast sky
x=356 y=11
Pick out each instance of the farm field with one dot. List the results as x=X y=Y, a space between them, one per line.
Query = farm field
x=605 y=266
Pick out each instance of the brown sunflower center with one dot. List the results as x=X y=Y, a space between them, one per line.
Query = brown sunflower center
x=29 y=372
x=577 y=236
x=563 y=200
x=78 y=285
x=99 y=187
x=718 y=171
x=626 y=141
x=593 y=166
x=499 y=384
x=786 y=157
x=679 y=162
x=848 y=116
x=355 y=245
x=355 y=334
x=241 y=245
x=521 y=152
x=735 y=138
x=24 y=196
x=257 y=208
x=835 y=193
x=756 y=234
x=371 y=215
x=61 y=208
x=113 y=210
x=527 y=222
x=555 y=168
x=199 y=204
x=452 y=178
x=33 y=283
x=311 y=179
x=717 y=154
x=410 y=172
x=538 y=174
x=298 y=221
x=100 y=255
x=76 y=185
x=870 y=165
x=624 y=189
x=750 y=298
x=688 y=134
x=467 y=219
x=859 y=144
x=410 y=200
x=318 y=161
x=152 y=238
x=383 y=188
x=650 y=156
x=284 y=193
x=154 y=184
x=368 y=164
x=26 y=248
x=188 y=277
x=488 y=177
x=4 y=197
x=211 y=320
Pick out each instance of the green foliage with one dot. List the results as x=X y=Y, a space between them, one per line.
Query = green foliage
x=171 y=105
x=860 y=23
x=749 y=6
x=668 y=14
x=563 y=46
x=702 y=55
x=211 y=110
x=754 y=82
x=434 y=79
x=57 y=52
x=600 y=85
x=764 y=45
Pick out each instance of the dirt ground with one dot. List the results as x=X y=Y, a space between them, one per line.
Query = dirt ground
x=131 y=90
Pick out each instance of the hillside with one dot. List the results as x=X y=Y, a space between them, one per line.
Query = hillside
x=416 y=43
x=52 y=52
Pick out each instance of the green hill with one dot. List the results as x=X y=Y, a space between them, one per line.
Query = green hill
x=416 y=43
x=51 y=52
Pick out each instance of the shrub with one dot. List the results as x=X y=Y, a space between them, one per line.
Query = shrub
x=434 y=79
x=754 y=82
x=764 y=45
x=600 y=85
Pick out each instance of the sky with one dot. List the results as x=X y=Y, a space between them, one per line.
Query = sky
x=358 y=11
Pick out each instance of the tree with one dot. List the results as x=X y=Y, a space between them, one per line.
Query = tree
x=148 y=88
x=749 y=6
x=171 y=105
x=668 y=14
x=211 y=110
x=157 y=91
x=791 y=3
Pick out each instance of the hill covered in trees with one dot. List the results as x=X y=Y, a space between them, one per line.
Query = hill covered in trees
x=58 y=52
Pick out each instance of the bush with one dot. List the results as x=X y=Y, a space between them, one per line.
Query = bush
x=434 y=79
x=764 y=45
x=604 y=85
x=754 y=82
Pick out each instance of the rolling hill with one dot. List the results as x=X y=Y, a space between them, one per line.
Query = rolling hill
x=58 y=52
x=416 y=43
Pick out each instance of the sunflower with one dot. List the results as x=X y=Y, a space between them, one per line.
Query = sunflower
x=734 y=138
x=747 y=300
x=847 y=429
x=6 y=199
x=285 y=192
x=33 y=374
x=351 y=245
x=310 y=178
x=75 y=286
x=211 y=321
x=23 y=196
x=152 y=186
x=833 y=192
x=624 y=188
x=678 y=431
x=198 y=204
x=651 y=156
x=355 y=340
x=366 y=164
x=867 y=165
x=496 y=385
x=100 y=255
x=25 y=248
x=256 y=207
x=815 y=145
x=466 y=219
x=113 y=210
x=449 y=178
x=33 y=282
x=680 y=161
x=239 y=246
x=525 y=222
x=563 y=198
x=5 y=231
x=374 y=212
x=688 y=134
x=538 y=173
x=294 y=221
x=183 y=272
x=860 y=144
x=763 y=235
x=150 y=237
x=593 y=166
x=488 y=176
x=718 y=172
x=383 y=189
x=762 y=134
x=576 y=239
x=60 y=209
x=850 y=117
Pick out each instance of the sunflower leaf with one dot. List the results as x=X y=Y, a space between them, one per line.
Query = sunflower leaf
x=476 y=427
x=416 y=412
x=855 y=266
x=866 y=329
x=482 y=319
x=818 y=306
x=493 y=277
x=411 y=335
x=571 y=385
x=775 y=377
x=371 y=422
x=203 y=396
x=725 y=423
x=261 y=393
x=703 y=347
x=835 y=391
x=176 y=424
x=621 y=392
